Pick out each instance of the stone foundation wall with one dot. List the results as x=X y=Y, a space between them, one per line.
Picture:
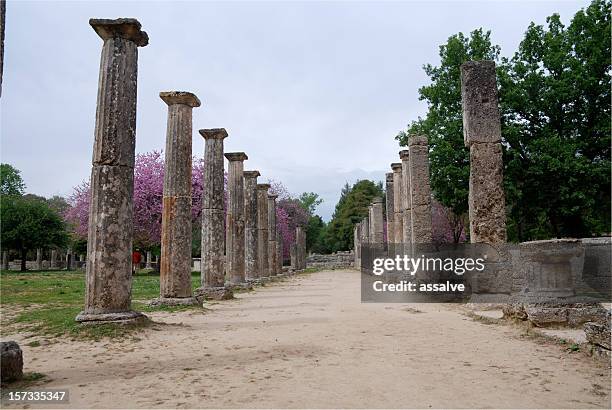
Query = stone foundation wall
x=338 y=260
x=597 y=268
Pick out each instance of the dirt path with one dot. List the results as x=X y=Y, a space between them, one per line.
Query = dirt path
x=309 y=342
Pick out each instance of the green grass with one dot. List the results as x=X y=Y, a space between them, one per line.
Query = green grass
x=46 y=303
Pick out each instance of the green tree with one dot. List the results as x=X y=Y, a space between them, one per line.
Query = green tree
x=555 y=100
x=29 y=224
x=11 y=182
x=310 y=201
x=351 y=209
x=443 y=123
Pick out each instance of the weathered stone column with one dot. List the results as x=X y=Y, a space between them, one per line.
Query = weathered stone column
x=482 y=134
x=377 y=222
x=299 y=247
x=5 y=260
x=234 y=237
x=53 y=259
x=108 y=291
x=398 y=217
x=39 y=259
x=406 y=200
x=357 y=244
x=70 y=261
x=279 y=253
x=293 y=256
x=263 y=237
x=420 y=192
x=175 y=268
x=251 y=233
x=272 y=234
x=212 y=260
x=149 y=260
x=389 y=207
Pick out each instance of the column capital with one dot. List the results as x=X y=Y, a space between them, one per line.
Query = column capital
x=396 y=166
x=404 y=154
x=213 y=133
x=376 y=200
x=263 y=187
x=180 y=97
x=417 y=140
x=389 y=177
x=251 y=174
x=236 y=156
x=127 y=28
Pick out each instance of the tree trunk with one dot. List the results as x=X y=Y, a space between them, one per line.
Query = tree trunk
x=24 y=255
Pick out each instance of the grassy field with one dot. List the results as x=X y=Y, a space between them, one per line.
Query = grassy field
x=46 y=302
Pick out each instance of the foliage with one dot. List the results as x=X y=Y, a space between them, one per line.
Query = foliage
x=352 y=207
x=29 y=224
x=315 y=235
x=11 y=182
x=555 y=105
x=309 y=201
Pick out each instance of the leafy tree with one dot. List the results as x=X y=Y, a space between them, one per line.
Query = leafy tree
x=315 y=235
x=11 y=182
x=29 y=224
x=310 y=201
x=351 y=208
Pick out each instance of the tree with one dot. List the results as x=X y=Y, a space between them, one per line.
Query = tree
x=29 y=224
x=310 y=201
x=11 y=182
x=315 y=235
x=352 y=207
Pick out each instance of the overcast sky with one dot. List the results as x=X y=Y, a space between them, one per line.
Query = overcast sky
x=313 y=92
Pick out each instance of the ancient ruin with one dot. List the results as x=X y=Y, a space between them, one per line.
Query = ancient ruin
x=108 y=290
x=263 y=231
x=234 y=236
x=272 y=264
x=251 y=231
x=420 y=193
x=175 y=268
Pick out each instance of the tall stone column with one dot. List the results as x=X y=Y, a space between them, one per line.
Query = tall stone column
x=389 y=207
x=251 y=233
x=272 y=233
x=293 y=256
x=70 y=261
x=482 y=134
x=53 y=259
x=263 y=233
x=398 y=217
x=299 y=249
x=212 y=261
x=39 y=259
x=377 y=222
x=175 y=268
x=279 y=253
x=108 y=290
x=357 y=245
x=5 y=260
x=420 y=192
x=406 y=200
x=149 y=260
x=234 y=237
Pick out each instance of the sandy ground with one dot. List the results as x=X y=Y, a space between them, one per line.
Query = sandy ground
x=309 y=342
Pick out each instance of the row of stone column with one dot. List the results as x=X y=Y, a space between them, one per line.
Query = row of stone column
x=408 y=193
x=240 y=242
x=70 y=258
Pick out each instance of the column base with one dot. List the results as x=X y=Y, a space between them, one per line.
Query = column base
x=190 y=301
x=124 y=318
x=219 y=293
x=239 y=286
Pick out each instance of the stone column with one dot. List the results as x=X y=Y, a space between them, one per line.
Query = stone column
x=212 y=260
x=398 y=217
x=482 y=134
x=357 y=245
x=365 y=231
x=303 y=253
x=293 y=257
x=272 y=234
x=420 y=192
x=108 y=290
x=377 y=222
x=299 y=250
x=5 y=260
x=279 y=253
x=53 y=259
x=234 y=236
x=175 y=268
x=39 y=259
x=263 y=237
x=406 y=200
x=149 y=260
x=251 y=233
x=389 y=207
